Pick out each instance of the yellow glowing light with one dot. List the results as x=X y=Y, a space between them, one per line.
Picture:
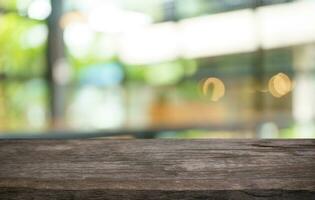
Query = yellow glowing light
x=218 y=90
x=279 y=85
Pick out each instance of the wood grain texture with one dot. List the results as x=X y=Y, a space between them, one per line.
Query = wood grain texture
x=157 y=169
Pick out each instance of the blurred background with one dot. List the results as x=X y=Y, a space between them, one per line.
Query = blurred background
x=157 y=68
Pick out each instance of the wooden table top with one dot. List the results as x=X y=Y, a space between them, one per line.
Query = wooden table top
x=157 y=169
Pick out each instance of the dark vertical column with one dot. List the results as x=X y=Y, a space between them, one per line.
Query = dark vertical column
x=258 y=71
x=55 y=56
x=169 y=7
x=259 y=77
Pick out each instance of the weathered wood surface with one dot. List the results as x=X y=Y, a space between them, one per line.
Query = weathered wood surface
x=157 y=169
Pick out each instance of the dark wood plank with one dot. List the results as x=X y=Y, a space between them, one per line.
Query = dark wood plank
x=157 y=169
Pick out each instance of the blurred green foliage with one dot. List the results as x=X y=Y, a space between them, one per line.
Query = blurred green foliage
x=22 y=63
x=8 y=4
x=23 y=105
x=20 y=53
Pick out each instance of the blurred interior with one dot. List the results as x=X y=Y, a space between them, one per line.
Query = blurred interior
x=157 y=68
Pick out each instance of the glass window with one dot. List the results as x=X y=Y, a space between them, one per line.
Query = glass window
x=158 y=68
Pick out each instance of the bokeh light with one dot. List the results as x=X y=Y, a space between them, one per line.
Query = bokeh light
x=39 y=9
x=279 y=85
x=213 y=88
